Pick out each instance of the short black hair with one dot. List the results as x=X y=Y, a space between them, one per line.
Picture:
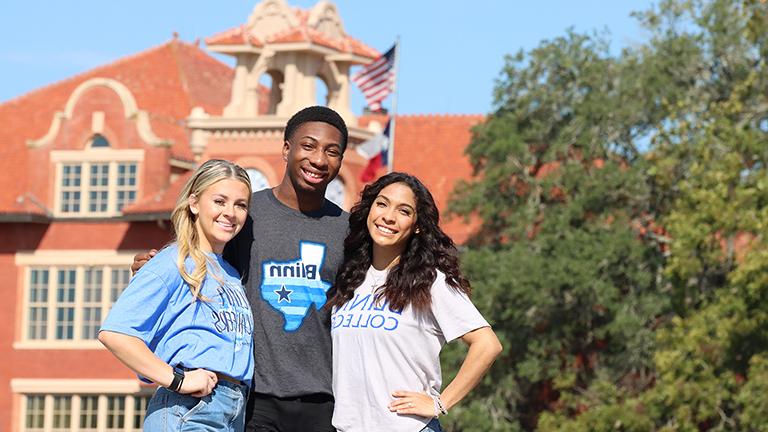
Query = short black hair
x=317 y=114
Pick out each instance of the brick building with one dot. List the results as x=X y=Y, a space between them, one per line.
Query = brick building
x=90 y=168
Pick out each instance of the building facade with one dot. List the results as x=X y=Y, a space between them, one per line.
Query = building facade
x=90 y=168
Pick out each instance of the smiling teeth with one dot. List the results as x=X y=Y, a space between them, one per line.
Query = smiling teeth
x=311 y=174
x=385 y=230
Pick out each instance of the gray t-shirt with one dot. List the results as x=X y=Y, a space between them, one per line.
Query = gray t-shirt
x=288 y=260
x=377 y=351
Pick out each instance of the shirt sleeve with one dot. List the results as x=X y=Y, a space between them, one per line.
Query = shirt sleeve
x=139 y=310
x=453 y=311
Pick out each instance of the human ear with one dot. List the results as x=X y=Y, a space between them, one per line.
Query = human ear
x=286 y=149
x=192 y=201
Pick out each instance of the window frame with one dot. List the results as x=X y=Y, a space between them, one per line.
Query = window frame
x=105 y=261
x=130 y=390
x=86 y=159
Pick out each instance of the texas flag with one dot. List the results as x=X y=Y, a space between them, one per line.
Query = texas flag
x=376 y=150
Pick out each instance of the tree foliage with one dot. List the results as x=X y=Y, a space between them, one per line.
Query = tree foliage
x=621 y=256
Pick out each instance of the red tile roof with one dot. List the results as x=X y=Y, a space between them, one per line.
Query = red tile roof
x=301 y=33
x=234 y=36
x=27 y=208
x=161 y=203
x=167 y=81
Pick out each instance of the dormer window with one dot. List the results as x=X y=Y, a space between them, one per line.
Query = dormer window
x=99 y=141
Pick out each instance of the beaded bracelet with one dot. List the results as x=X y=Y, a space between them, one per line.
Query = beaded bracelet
x=439 y=407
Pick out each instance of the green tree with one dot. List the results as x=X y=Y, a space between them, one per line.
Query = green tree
x=611 y=322
x=708 y=155
x=560 y=264
x=706 y=169
x=711 y=361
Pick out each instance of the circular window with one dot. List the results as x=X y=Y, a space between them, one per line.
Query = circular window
x=258 y=180
x=335 y=192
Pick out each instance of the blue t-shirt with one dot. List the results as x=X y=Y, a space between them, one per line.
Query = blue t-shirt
x=157 y=307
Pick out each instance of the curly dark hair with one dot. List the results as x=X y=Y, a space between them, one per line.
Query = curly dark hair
x=409 y=282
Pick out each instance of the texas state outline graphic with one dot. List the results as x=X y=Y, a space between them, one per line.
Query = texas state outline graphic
x=291 y=287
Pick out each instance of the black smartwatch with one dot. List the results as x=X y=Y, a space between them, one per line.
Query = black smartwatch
x=178 y=379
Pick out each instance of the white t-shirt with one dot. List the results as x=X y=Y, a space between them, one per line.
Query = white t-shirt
x=377 y=351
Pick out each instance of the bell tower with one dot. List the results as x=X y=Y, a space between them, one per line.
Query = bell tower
x=296 y=49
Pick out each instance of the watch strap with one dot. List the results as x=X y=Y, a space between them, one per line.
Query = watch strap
x=178 y=379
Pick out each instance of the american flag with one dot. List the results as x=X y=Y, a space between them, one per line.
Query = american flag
x=377 y=79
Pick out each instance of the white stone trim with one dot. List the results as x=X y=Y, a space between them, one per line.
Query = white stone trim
x=302 y=46
x=187 y=165
x=58 y=345
x=349 y=58
x=53 y=130
x=144 y=128
x=326 y=11
x=97 y=155
x=269 y=17
x=97 y=122
x=73 y=257
x=130 y=109
x=72 y=386
x=261 y=122
x=235 y=49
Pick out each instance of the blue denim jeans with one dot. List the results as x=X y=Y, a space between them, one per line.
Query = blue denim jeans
x=222 y=410
x=432 y=426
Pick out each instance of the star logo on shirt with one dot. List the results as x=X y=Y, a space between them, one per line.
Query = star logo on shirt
x=284 y=294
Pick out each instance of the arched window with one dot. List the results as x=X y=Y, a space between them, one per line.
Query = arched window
x=258 y=180
x=99 y=141
x=335 y=192
x=271 y=82
x=322 y=93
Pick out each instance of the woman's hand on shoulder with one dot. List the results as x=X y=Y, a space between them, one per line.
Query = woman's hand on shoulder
x=198 y=382
x=414 y=403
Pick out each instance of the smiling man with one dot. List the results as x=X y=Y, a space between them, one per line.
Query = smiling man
x=290 y=257
x=288 y=252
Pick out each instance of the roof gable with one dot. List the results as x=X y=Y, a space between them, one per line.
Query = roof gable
x=166 y=81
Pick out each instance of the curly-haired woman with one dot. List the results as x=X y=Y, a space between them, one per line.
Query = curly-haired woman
x=400 y=296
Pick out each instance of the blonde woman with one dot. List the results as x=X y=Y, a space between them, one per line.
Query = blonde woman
x=183 y=322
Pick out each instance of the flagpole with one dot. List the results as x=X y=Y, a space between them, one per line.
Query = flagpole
x=393 y=115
